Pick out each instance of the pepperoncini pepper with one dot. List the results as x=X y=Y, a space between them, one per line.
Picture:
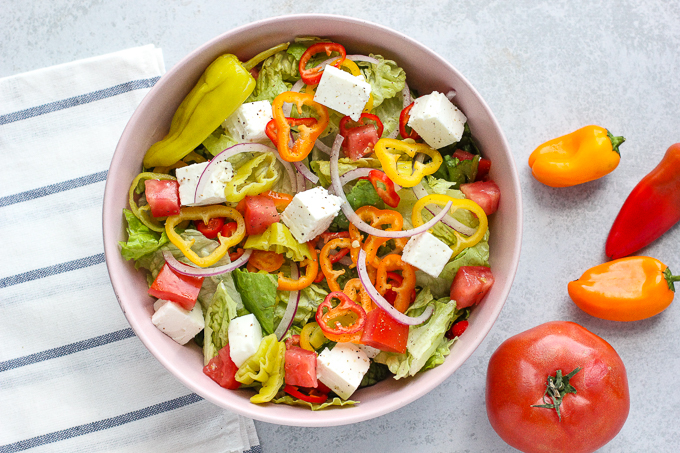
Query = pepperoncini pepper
x=457 y=203
x=307 y=135
x=142 y=212
x=205 y=213
x=390 y=150
x=584 y=155
x=262 y=168
x=220 y=90
x=627 y=289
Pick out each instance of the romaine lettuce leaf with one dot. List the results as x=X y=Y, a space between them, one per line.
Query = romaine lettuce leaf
x=141 y=240
x=258 y=291
x=278 y=238
x=221 y=311
x=386 y=78
x=277 y=74
x=291 y=401
x=218 y=141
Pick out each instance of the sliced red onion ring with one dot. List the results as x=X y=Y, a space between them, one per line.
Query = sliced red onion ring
x=306 y=172
x=185 y=269
x=365 y=58
x=356 y=220
x=382 y=302
x=322 y=147
x=242 y=148
x=420 y=192
x=291 y=309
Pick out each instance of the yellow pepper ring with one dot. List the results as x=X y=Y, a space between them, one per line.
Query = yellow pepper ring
x=389 y=150
x=205 y=213
x=462 y=242
x=311 y=336
x=142 y=212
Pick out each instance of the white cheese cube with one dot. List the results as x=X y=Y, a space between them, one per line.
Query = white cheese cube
x=213 y=193
x=427 y=253
x=370 y=351
x=245 y=335
x=342 y=368
x=343 y=92
x=437 y=120
x=248 y=122
x=311 y=213
x=179 y=324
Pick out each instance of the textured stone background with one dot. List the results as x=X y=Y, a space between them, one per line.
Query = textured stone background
x=545 y=69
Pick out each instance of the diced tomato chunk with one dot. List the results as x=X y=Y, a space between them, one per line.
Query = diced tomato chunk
x=162 y=196
x=259 y=213
x=486 y=194
x=483 y=170
x=470 y=285
x=384 y=332
x=175 y=287
x=222 y=370
x=462 y=155
x=359 y=141
x=300 y=367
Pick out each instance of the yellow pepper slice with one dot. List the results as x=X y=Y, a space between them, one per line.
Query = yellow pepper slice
x=262 y=168
x=205 y=213
x=142 y=212
x=389 y=150
x=311 y=337
x=462 y=242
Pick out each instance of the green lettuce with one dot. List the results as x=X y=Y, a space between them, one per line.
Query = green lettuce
x=277 y=74
x=218 y=141
x=389 y=112
x=221 y=311
x=310 y=299
x=458 y=171
x=386 y=79
x=278 y=238
x=258 y=291
x=292 y=401
x=141 y=240
x=322 y=168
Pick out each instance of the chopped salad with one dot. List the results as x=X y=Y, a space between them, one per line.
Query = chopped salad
x=313 y=223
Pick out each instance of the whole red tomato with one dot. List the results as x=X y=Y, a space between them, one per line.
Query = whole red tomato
x=593 y=402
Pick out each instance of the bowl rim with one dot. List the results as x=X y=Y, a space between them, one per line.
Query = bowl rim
x=335 y=416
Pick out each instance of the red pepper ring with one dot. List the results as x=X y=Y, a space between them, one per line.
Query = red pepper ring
x=388 y=192
x=326 y=314
x=315 y=396
x=368 y=116
x=272 y=131
x=313 y=75
x=404 y=116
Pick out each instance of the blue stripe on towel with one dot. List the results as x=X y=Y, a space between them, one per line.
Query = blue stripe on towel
x=78 y=100
x=52 y=270
x=53 y=188
x=101 y=424
x=66 y=349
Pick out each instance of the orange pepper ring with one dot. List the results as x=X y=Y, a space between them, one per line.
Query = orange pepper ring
x=311 y=266
x=326 y=264
x=392 y=263
x=307 y=135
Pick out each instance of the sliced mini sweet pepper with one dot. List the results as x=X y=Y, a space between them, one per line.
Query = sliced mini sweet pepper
x=143 y=212
x=205 y=213
x=311 y=266
x=266 y=261
x=326 y=261
x=307 y=135
x=313 y=395
x=311 y=336
x=272 y=131
x=220 y=90
x=384 y=187
x=331 y=319
x=403 y=121
x=386 y=219
x=404 y=289
x=462 y=242
x=312 y=76
x=389 y=151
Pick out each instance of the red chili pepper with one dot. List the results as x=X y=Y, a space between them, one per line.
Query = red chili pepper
x=338 y=256
x=364 y=116
x=328 y=236
x=326 y=314
x=385 y=189
x=314 y=396
x=211 y=228
x=272 y=131
x=650 y=210
x=312 y=76
x=403 y=121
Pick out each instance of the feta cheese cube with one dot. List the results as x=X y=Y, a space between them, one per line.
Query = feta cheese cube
x=245 y=335
x=343 y=92
x=213 y=193
x=370 y=351
x=311 y=213
x=437 y=120
x=427 y=253
x=248 y=122
x=342 y=368
x=179 y=324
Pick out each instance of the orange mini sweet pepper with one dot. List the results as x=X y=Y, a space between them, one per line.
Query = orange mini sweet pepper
x=584 y=155
x=627 y=289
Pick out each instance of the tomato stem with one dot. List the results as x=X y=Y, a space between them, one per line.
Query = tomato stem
x=557 y=388
x=671 y=279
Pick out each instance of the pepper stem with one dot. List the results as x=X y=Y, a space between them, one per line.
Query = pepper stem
x=671 y=279
x=557 y=388
x=616 y=141
x=260 y=57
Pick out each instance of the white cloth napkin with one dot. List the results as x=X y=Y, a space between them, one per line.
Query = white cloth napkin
x=73 y=376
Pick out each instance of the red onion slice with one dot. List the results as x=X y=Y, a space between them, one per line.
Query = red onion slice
x=191 y=271
x=306 y=172
x=242 y=148
x=291 y=309
x=365 y=58
x=382 y=302
x=356 y=220
x=322 y=147
x=420 y=192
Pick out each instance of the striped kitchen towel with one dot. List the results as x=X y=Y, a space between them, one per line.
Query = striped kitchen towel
x=73 y=375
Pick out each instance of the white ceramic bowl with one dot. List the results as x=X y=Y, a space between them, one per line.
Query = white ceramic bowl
x=426 y=71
